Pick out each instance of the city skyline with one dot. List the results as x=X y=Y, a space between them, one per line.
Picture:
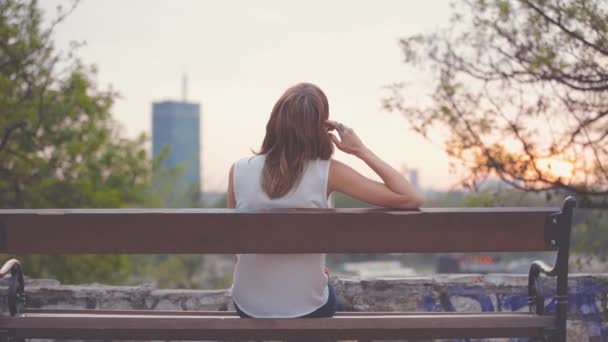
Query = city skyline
x=240 y=57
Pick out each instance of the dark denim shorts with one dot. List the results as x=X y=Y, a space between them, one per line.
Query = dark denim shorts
x=327 y=310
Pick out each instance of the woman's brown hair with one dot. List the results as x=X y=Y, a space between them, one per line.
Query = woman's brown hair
x=295 y=133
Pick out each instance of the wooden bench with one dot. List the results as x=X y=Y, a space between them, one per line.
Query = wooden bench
x=167 y=231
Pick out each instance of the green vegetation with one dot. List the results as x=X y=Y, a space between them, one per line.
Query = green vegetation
x=343 y=201
x=60 y=148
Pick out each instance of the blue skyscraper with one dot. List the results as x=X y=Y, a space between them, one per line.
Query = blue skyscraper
x=175 y=124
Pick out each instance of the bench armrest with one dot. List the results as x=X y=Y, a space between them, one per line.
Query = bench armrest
x=16 y=288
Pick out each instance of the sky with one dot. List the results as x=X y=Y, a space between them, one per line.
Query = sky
x=240 y=56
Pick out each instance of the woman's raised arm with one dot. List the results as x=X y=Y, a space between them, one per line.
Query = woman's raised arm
x=395 y=192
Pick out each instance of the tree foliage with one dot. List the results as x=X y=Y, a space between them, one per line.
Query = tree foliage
x=521 y=93
x=60 y=147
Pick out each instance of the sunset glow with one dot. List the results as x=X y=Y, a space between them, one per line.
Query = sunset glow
x=556 y=167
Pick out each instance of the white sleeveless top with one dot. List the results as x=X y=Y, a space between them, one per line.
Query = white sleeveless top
x=280 y=285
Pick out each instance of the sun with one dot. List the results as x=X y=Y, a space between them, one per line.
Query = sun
x=556 y=168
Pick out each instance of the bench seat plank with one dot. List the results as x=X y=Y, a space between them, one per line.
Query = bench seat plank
x=196 y=327
x=194 y=231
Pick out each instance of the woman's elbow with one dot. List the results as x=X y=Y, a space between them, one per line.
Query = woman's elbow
x=411 y=202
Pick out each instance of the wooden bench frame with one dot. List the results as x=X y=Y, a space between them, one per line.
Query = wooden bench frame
x=286 y=231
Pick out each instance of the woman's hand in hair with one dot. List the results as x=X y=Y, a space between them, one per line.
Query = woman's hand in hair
x=394 y=191
x=348 y=142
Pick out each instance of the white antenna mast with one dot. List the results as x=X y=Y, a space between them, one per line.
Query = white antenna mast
x=184 y=87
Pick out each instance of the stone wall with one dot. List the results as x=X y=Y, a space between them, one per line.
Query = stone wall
x=588 y=310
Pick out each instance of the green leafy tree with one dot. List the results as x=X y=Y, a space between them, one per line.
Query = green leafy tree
x=60 y=147
x=520 y=93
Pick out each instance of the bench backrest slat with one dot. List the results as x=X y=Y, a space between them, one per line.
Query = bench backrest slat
x=184 y=231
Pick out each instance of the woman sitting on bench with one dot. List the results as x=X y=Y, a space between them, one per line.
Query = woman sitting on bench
x=295 y=169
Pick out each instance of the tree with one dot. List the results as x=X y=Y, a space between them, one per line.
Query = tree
x=521 y=93
x=59 y=146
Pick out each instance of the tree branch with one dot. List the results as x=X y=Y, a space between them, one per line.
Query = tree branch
x=565 y=29
x=9 y=132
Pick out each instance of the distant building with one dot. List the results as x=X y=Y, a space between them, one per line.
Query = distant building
x=175 y=124
x=413 y=173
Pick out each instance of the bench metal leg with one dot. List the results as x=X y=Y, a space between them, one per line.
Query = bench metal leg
x=557 y=232
x=15 y=296
x=16 y=287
